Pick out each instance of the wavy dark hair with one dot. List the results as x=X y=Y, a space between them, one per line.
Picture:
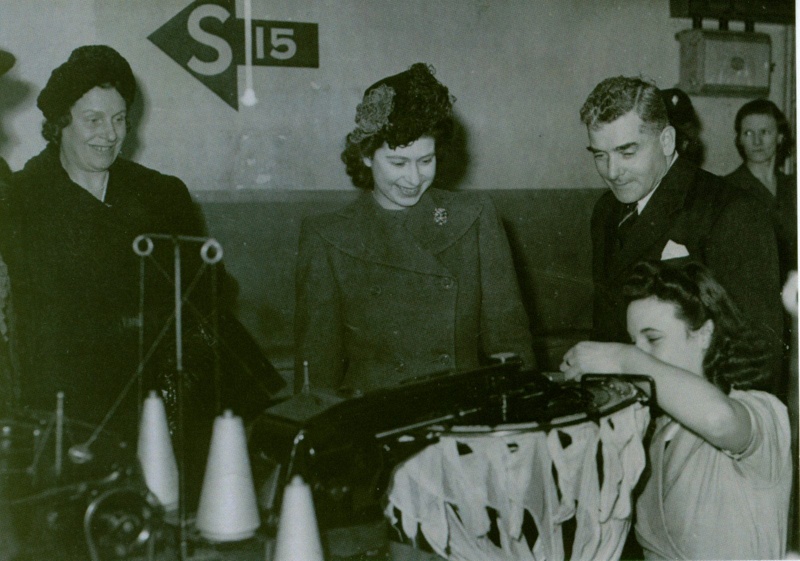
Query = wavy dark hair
x=738 y=355
x=765 y=107
x=614 y=97
x=417 y=105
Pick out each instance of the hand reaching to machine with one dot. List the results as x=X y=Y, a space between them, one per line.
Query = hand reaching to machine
x=596 y=358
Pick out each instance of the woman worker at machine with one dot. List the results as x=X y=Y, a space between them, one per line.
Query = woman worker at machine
x=720 y=455
x=409 y=280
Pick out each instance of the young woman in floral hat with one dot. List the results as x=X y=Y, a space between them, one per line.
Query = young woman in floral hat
x=409 y=280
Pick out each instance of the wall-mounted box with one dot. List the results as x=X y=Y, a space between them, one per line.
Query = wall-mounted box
x=725 y=63
x=756 y=11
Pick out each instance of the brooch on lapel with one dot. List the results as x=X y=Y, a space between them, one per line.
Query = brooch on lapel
x=440 y=216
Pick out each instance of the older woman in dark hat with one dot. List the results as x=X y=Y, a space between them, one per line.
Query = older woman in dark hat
x=408 y=280
x=67 y=225
x=68 y=221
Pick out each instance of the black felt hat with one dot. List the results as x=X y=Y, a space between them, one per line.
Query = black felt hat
x=7 y=60
x=403 y=107
x=87 y=67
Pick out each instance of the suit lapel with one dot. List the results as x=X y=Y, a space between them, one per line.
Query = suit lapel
x=657 y=217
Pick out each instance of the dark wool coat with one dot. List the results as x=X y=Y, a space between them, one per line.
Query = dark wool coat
x=720 y=227
x=75 y=278
x=781 y=207
x=385 y=296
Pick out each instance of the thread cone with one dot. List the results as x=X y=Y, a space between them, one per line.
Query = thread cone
x=155 y=453
x=227 y=510
x=298 y=534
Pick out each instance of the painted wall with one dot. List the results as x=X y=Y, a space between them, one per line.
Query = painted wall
x=519 y=68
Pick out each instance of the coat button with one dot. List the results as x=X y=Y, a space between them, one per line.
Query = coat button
x=400 y=367
x=444 y=358
x=376 y=290
x=448 y=283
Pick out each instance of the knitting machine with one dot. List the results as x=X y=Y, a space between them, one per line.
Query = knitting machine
x=347 y=448
x=70 y=493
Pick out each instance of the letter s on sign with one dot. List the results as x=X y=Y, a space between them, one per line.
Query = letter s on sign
x=224 y=51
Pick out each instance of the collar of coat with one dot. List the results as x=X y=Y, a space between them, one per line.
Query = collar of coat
x=744 y=179
x=134 y=197
x=362 y=230
x=45 y=173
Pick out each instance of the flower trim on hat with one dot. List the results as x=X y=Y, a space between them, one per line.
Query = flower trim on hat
x=373 y=113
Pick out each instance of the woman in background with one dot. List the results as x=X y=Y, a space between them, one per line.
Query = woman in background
x=720 y=454
x=408 y=280
x=764 y=140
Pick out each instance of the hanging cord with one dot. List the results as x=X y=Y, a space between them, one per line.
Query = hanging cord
x=249 y=97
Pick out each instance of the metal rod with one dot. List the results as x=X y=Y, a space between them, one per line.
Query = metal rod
x=59 y=462
x=183 y=549
x=174 y=238
x=306 y=379
x=216 y=345
x=140 y=393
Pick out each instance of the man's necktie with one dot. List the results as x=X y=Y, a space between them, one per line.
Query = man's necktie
x=629 y=215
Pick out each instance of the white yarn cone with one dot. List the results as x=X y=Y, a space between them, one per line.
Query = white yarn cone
x=155 y=453
x=227 y=510
x=298 y=534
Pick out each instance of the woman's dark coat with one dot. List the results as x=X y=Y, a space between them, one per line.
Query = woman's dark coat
x=385 y=296
x=75 y=279
x=782 y=208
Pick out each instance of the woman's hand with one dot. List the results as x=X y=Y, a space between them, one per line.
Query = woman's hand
x=688 y=398
x=595 y=358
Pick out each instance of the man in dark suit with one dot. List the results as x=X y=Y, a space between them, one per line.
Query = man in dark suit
x=661 y=206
